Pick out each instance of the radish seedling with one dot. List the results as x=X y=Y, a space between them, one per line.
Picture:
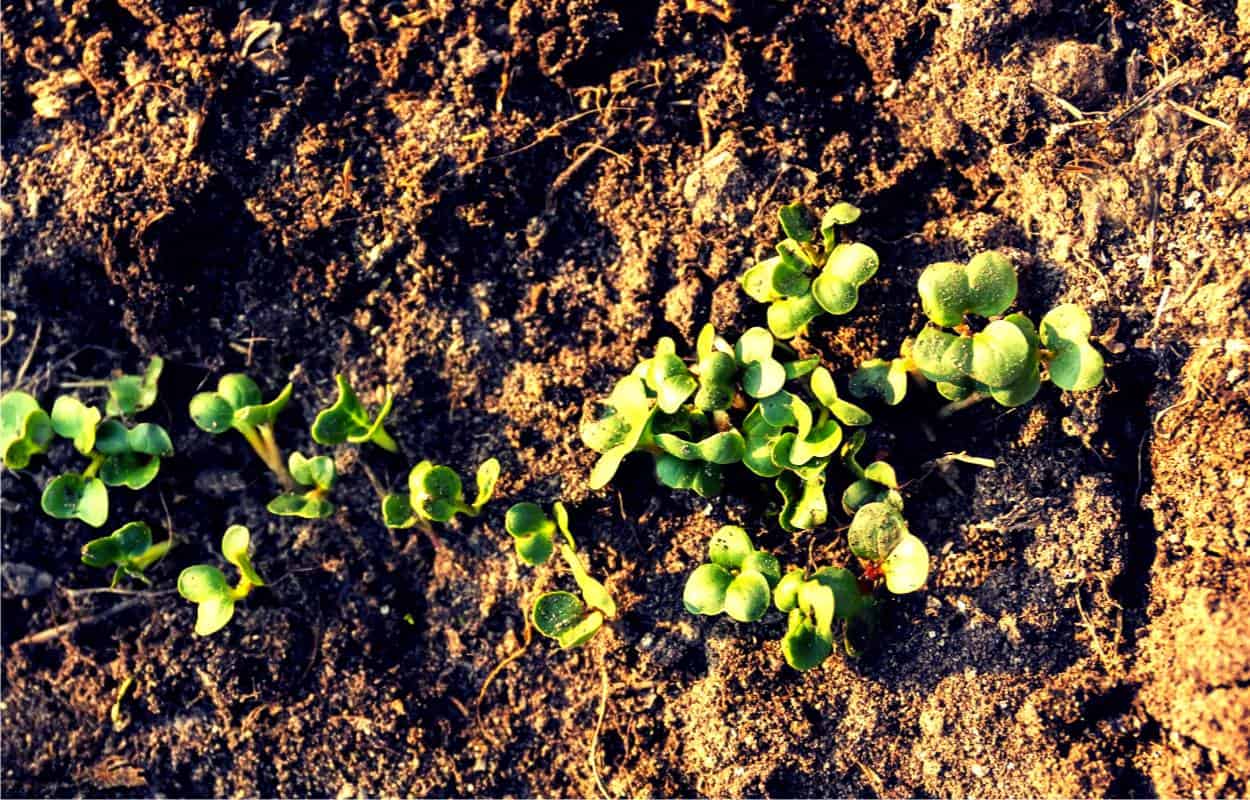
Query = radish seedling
x=25 y=429
x=318 y=473
x=130 y=394
x=435 y=494
x=534 y=532
x=565 y=617
x=814 y=605
x=129 y=549
x=737 y=580
x=237 y=404
x=347 y=421
x=207 y=587
x=879 y=537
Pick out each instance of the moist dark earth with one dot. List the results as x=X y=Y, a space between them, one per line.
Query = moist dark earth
x=496 y=209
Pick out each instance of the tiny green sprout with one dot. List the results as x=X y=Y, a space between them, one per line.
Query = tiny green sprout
x=25 y=429
x=207 y=587
x=670 y=377
x=875 y=483
x=808 y=277
x=319 y=474
x=347 y=421
x=72 y=419
x=129 y=549
x=237 y=404
x=435 y=494
x=130 y=394
x=826 y=392
x=884 y=380
x=616 y=426
x=879 y=537
x=130 y=457
x=738 y=580
x=813 y=604
x=762 y=374
x=717 y=370
x=571 y=620
x=534 y=532
x=1072 y=361
x=77 y=496
x=986 y=286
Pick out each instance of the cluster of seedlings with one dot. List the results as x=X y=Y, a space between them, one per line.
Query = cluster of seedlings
x=751 y=408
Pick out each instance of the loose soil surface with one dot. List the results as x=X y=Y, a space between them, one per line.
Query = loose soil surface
x=496 y=209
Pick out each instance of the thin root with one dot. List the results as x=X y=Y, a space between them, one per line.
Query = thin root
x=594 y=738
x=481 y=695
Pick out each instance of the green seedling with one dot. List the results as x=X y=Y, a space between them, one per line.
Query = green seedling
x=1071 y=361
x=237 y=404
x=347 y=421
x=435 y=494
x=738 y=579
x=319 y=474
x=879 y=537
x=884 y=380
x=534 y=532
x=808 y=276
x=569 y=619
x=25 y=429
x=814 y=605
x=875 y=483
x=207 y=587
x=130 y=394
x=618 y=425
x=129 y=549
x=77 y=496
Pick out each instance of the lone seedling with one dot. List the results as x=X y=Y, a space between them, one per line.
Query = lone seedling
x=207 y=587
x=533 y=532
x=738 y=581
x=347 y=421
x=25 y=429
x=809 y=277
x=129 y=549
x=319 y=474
x=237 y=404
x=813 y=604
x=571 y=620
x=130 y=394
x=435 y=494
x=879 y=537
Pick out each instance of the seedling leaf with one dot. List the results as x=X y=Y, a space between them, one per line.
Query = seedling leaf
x=25 y=429
x=72 y=419
x=705 y=590
x=1074 y=364
x=907 y=566
x=747 y=596
x=885 y=380
x=72 y=496
x=729 y=547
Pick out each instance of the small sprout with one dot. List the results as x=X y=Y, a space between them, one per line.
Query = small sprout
x=130 y=394
x=669 y=377
x=130 y=458
x=986 y=286
x=564 y=616
x=762 y=374
x=207 y=587
x=237 y=404
x=805 y=506
x=738 y=581
x=75 y=496
x=317 y=472
x=875 y=483
x=884 y=380
x=1072 y=361
x=717 y=370
x=72 y=419
x=25 y=429
x=533 y=532
x=347 y=421
x=879 y=537
x=826 y=392
x=786 y=281
x=616 y=426
x=435 y=494
x=813 y=604
x=129 y=549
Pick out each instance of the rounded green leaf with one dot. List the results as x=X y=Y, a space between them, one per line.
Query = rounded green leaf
x=149 y=439
x=239 y=391
x=849 y=600
x=71 y=496
x=797 y=221
x=956 y=390
x=803 y=647
x=716 y=374
x=202 y=582
x=875 y=530
x=862 y=492
x=213 y=614
x=805 y=506
x=25 y=429
x=235 y=544
x=527 y=519
x=211 y=412
x=1074 y=364
x=817 y=602
x=436 y=491
x=112 y=438
x=842 y=213
x=789 y=317
x=765 y=564
x=264 y=414
x=941 y=355
x=991 y=284
x=130 y=394
x=72 y=419
x=345 y=418
x=131 y=470
x=1000 y=354
x=317 y=471
x=670 y=378
x=729 y=547
x=944 y=293
x=705 y=590
x=821 y=442
x=786 y=593
x=535 y=549
x=556 y=612
x=848 y=267
x=885 y=380
x=306 y=506
x=397 y=511
x=906 y=568
x=758 y=282
x=747 y=597
x=485 y=479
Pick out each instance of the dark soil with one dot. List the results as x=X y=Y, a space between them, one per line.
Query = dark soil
x=497 y=209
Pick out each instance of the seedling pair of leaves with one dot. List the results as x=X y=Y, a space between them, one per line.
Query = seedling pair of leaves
x=880 y=539
x=25 y=429
x=347 y=421
x=810 y=276
x=238 y=405
x=129 y=549
x=435 y=494
x=570 y=620
x=533 y=531
x=813 y=604
x=207 y=586
x=317 y=473
x=875 y=483
x=120 y=456
x=737 y=580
